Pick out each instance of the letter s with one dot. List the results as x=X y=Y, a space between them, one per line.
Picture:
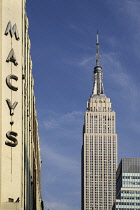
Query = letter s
x=11 y=136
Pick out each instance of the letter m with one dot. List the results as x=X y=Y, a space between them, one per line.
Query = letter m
x=12 y=30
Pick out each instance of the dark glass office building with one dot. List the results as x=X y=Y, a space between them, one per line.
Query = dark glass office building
x=128 y=185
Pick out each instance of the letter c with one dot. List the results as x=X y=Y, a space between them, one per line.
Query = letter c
x=11 y=76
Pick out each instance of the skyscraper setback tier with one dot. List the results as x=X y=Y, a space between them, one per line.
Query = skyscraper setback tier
x=99 y=150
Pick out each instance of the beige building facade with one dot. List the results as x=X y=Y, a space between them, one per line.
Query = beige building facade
x=19 y=141
x=99 y=150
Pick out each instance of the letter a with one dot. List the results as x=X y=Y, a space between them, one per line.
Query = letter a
x=12 y=58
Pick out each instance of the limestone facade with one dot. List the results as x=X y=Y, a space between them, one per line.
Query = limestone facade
x=20 y=161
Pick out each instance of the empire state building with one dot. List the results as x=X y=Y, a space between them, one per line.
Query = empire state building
x=99 y=149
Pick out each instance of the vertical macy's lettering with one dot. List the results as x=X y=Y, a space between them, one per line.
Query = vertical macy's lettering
x=11 y=135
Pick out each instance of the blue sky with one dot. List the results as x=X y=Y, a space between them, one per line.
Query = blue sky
x=63 y=36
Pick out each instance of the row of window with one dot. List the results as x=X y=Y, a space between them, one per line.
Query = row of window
x=131 y=177
x=131 y=198
x=106 y=116
x=130 y=183
x=130 y=192
x=101 y=138
x=127 y=204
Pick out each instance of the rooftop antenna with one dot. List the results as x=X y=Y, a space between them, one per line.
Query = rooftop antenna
x=97 y=49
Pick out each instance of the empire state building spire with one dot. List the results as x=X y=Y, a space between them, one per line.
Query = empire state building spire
x=98 y=88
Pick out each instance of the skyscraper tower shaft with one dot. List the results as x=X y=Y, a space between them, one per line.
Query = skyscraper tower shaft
x=99 y=149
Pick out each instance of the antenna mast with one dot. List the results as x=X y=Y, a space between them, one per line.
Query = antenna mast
x=97 y=49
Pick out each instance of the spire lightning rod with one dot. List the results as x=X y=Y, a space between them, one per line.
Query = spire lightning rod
x=97 y=49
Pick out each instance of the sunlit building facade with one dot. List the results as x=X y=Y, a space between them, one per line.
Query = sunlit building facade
x=20 y=161
x=128 y=185
x=99 y=150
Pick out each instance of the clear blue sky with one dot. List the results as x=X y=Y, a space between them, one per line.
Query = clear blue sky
x=62 y=34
